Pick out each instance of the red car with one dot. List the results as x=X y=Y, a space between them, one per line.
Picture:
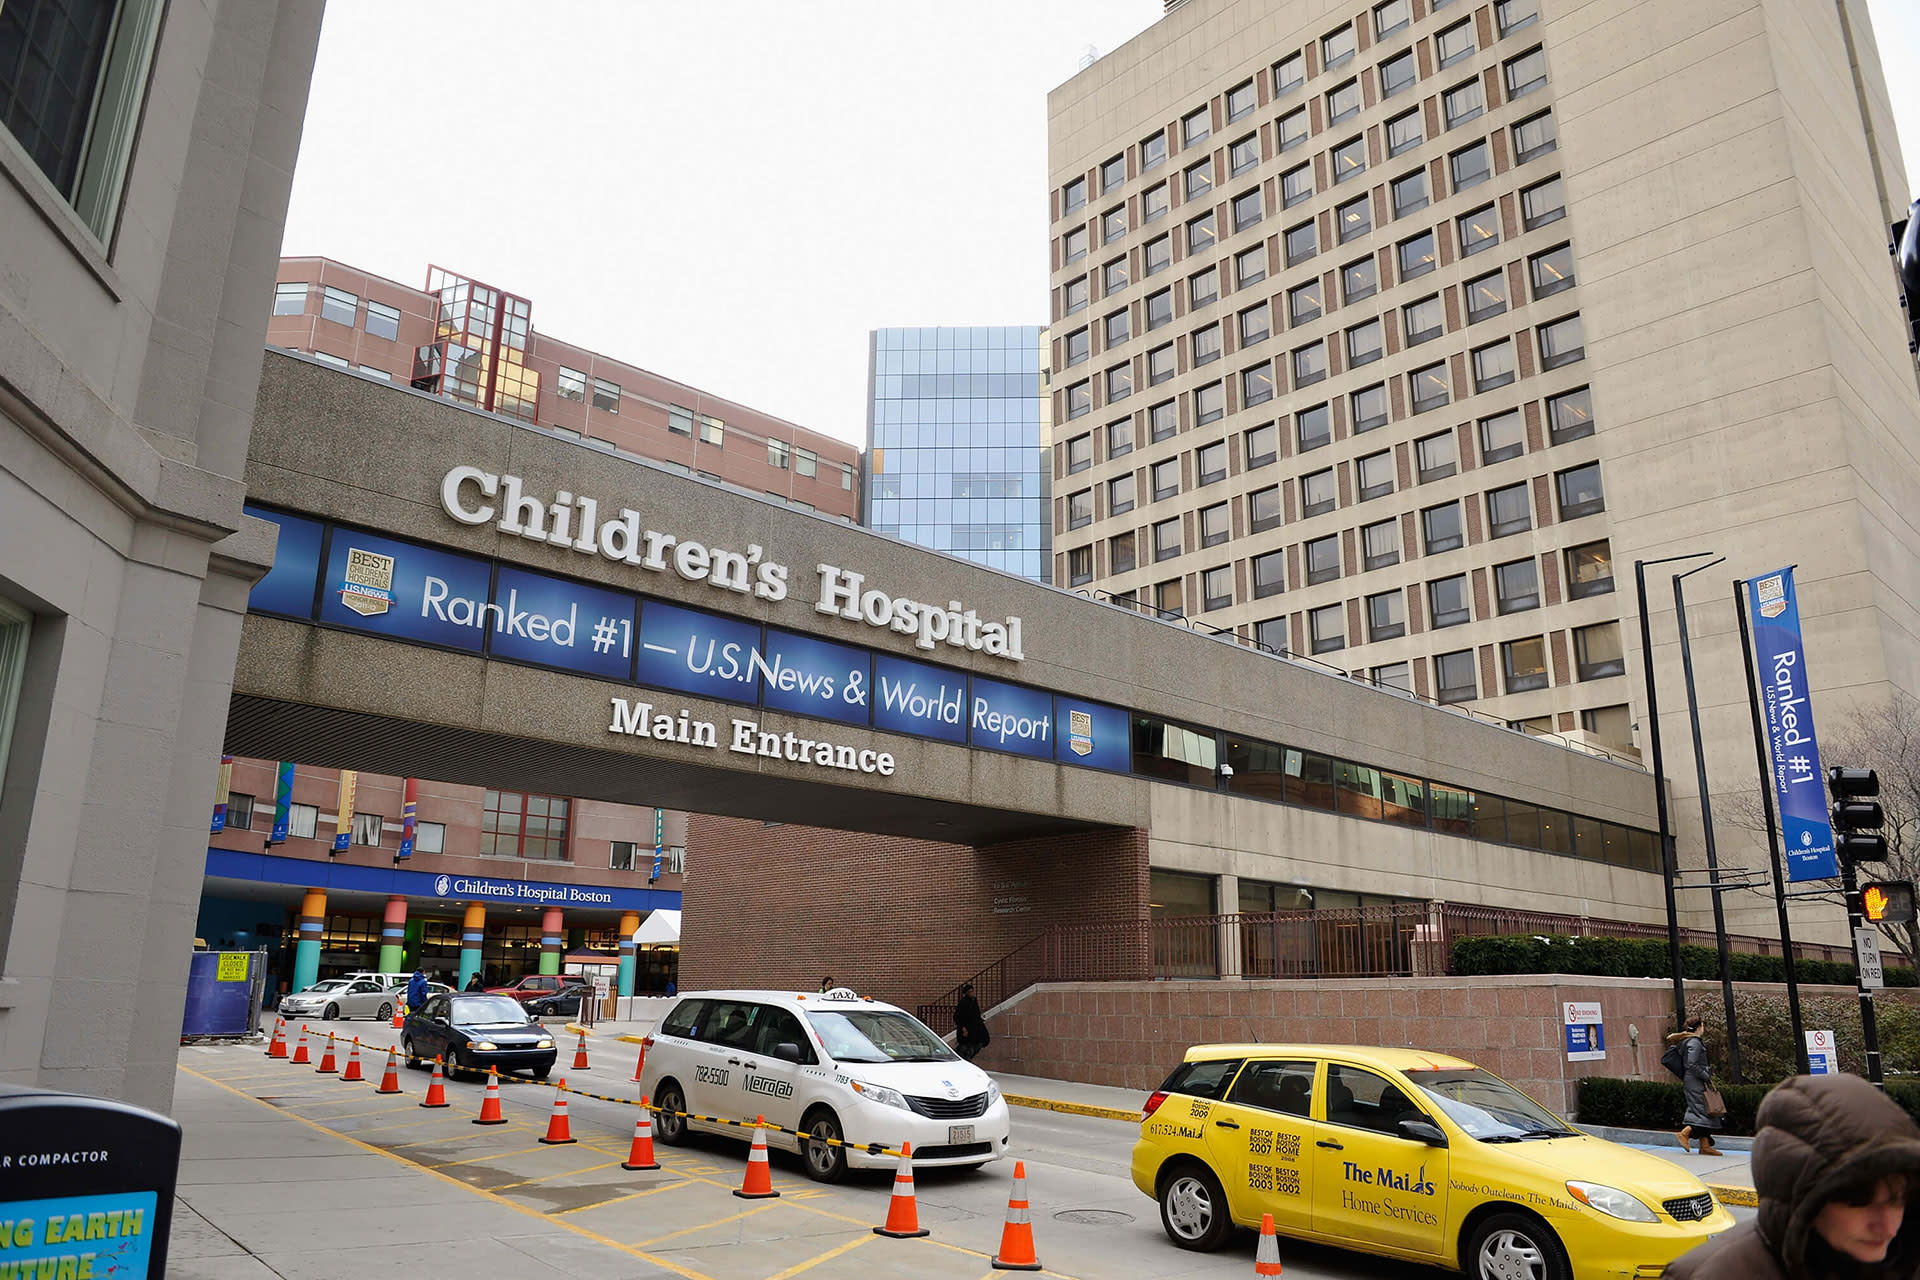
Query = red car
x=534 y=985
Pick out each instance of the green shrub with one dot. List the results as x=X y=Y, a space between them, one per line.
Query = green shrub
x=1639 y=958
x=1659 y=1104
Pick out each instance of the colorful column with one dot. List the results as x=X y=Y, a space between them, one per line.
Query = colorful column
x=628 y=923
x=473 y=937
x=306 y=954
x=393 y=935
x=553 y=942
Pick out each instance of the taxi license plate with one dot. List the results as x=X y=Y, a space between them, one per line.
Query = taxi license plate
x=959 y=1133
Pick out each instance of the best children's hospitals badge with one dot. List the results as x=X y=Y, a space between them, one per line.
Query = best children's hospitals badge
x=1773 y=595
x=367 y=588
x=1080 y=732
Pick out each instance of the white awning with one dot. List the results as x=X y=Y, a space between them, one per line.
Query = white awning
x=658 y=927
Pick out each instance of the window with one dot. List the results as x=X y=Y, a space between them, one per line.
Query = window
x=1075 y=295
x=1289 y=74
x=1455 y=43
x=1465 y=101
x=1493 y=365
x=1120 y=553
x=1243 y=155
x=1588 y=570
x=1410 y=193
x=429 y=837
x=1327 y=628
x=1079 y=565
x=679 y=420
x=1515 y=14
x=1597 y=651
x=1170 y=599
x=526 y=826
x=1120 y=494
x=1516 y=586
x=368 y=828
x=1526 y=73
x=1453 y=676
x=1250 y=266
x=1195 y=126
x=1119 y=437
x=1397 y=676
x=1375 y=474
x=1551 y=271
x=1160 y=365
x=1303 y=303
x=1247 y=209
x=1447 y=601
x=1074 y=244
x=1440 y=527
x=1153 y=150
x=1216 y=587
x=1154 y=202
x=1293 y=129
x=1073 y=195
x=1525 y=663
x=1119 y=382
x=327 y=357
x=1470 y=166
x=1404 y=133
x=1386 y=615
x=1337 y=47
x=339 y=306
x=1543 y=202
x=1210 y=462
x=1158 y=254
x=289 y=299
x=383 y=321
x=1263 y=445
x=1079 y=453
x=1203 y=288
x=1478 y=230
x=1215 y=524
x=1486 y=296
x=1309 y=364
x=1614 y=726
x=1113 y=173
x=1580 y=491
x=1562 y=342
x=1198 y=179
x=1570 y=415
x=1502 y=436
x=1507 y=510
x=1271 y=634
x=1397 y=74
x=1313 y=427
x=1349 y=159
x=1209 y=403
x=1256 y=385
x=1162 y=420
x=571 y=385
x=1166 y=479
x=1200 y=233
x=1437 y=457
x=1369 y=407
x=1254 y=325
x=1079 y=399
x=1424 y=320
x=1159 y=309
x=1365 y=343
x=779 y=451
x=1430 y=387
x=606 y=395
x=239 y=810
x=1302 y=243
x=1318 y=494
x=1323 y=559
x=1166 y=539
x=807 y=463
x=1391 y=16
x=1353 y=219
x=1119 y=327
x=1534 y=137
x=1343 y=101
x=1269 y=574
x=1360 y=279
x=1113 y=276
x=1296 y=184
x=1079 y=508
x=1380 y=543
x=1263 y=509
x=1417 y=256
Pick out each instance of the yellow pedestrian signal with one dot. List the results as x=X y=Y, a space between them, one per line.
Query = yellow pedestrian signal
x=1887 y=901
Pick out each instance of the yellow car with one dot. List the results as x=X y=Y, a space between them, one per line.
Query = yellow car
x=1414 y=1155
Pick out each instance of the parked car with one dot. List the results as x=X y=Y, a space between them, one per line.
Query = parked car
x=826 y=1068
x=564 y=1003
x=534 y=985
x=1414 y=1155
x=474 y=1032
x=321 y=1000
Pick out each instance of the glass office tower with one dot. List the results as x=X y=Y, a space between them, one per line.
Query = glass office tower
x=958 y=441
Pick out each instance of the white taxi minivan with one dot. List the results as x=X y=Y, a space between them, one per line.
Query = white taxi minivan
x=827 y=1069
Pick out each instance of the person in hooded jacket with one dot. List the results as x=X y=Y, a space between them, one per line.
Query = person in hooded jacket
x=1832 y=1164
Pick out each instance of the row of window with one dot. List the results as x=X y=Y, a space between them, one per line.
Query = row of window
x=340 y=307
x=303 y=819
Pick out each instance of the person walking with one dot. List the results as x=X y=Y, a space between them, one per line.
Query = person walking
x=970 y=1029
x=1833 y=1162
x=1696 y=1075
x=416 y=990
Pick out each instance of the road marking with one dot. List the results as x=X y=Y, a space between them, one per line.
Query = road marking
x=830 y=1254
x=491 y=1155
x=717 y=1222
x=564 y=1173
x=631 y=1195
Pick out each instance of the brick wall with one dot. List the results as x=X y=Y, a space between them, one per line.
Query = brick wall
x=911 y=918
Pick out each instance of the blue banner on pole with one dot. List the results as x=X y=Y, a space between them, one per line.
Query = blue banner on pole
x=1799 y=783
x=282 y=801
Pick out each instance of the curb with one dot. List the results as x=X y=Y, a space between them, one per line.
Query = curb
x=1072 y=1108
x=1742 y=1197
x=631 y=1039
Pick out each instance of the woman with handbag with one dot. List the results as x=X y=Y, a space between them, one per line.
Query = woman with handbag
x=1706 y=1111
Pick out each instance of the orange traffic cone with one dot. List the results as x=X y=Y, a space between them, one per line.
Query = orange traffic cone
x=390 y=1081
x=327 y=1064
x=903 y=1214
x=300 y=1058
x=580 y=1054
x=490 y=1105
x=1016 y=1241
x=437 y=1089
x=758 y=1183
x=398 y=1020
x=277 y=1047
x=641 y=1065
x=559 y=1131
x=641 y=1157
x=1266 y=1261
x=352 y=1072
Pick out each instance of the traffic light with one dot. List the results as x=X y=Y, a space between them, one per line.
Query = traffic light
x=1856 y=815
x=1887 y=901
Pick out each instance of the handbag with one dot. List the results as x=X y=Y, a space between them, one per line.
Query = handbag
x=1716 y=1105
x=1675 y=1059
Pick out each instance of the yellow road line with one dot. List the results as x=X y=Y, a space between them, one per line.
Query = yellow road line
x=564 y=1173
x=630 y=1250
x=706 y=1226
x=830 y=1254
x=631 y=1195
x=491 y=1155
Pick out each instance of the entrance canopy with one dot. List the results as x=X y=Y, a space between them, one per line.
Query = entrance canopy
x=660 y=927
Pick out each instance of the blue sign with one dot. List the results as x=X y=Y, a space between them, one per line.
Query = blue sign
x=918 y=699
x=557 y=623
x=814 y=677
x=1092 y=734
x=267 y=868
x=282 y=801
x=288 y=586
x=1799 y=783
x=698 y=653
x=1010 y=717
x=79 y=1235
x=405 y=591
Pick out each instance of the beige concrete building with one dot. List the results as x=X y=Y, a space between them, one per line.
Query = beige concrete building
x=1391 y=335
x=143 y=187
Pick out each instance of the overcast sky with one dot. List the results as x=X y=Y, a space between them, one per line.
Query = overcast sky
x=729 y=194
